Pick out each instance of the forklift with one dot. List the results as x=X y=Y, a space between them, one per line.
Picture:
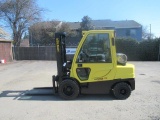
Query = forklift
x=96 y=68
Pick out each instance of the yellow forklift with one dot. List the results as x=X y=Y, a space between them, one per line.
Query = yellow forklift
x=96 y=68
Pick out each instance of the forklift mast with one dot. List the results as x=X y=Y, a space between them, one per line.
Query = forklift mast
x=60 y=53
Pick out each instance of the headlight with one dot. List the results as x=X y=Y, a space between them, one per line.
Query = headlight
x=121 y=58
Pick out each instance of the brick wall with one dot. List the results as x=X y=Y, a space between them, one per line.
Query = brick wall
x=6 y=51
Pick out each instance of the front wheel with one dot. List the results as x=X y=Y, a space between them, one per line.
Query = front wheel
x=122 y=91
x=68 y=89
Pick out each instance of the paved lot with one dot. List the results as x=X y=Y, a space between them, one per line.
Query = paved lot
x=20 y=77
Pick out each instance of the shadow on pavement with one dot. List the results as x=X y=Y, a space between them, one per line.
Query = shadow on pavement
x=47 y=94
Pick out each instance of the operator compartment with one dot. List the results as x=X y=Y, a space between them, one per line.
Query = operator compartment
x=95 y=49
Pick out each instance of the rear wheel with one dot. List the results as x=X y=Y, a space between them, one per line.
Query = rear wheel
x=122 y=91
x=68 y=89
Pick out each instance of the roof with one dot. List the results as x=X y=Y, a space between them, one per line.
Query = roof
x=127 y=24
x=4 y=40
x=2 y=32
x=74 y=25
x=109 y=24
x=1 y=40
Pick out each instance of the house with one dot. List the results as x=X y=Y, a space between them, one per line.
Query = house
x=42 y=33
x=5 y=47
x=124 y=28
x=6 y=50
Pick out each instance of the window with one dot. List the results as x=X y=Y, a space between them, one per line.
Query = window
x=83 y=73
x=96 y=49
x=127 y=32
x=133 y=32
x=130 y=32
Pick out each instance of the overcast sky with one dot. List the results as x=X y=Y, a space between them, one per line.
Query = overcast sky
x=145 y=12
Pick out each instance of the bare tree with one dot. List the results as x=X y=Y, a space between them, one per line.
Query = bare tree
x=146 y=34
x=42 y=33
x=19 y=14
x=3 y=33
x=66 y=28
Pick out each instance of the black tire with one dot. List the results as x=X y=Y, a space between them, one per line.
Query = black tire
x=121 y=91
x=68 y=89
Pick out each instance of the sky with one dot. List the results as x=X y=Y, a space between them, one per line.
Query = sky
x=145 y=12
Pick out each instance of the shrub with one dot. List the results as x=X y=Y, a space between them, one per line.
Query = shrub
x=146 y=50
x=149 y=49
x=128 y=47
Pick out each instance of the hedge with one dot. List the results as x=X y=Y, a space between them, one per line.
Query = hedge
x=146 y=50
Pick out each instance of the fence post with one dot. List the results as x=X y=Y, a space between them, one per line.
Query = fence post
x=38 y=52
x=159 y=53
x=13 y=51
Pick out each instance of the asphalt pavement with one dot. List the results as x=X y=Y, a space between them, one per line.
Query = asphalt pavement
x=21 y=98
